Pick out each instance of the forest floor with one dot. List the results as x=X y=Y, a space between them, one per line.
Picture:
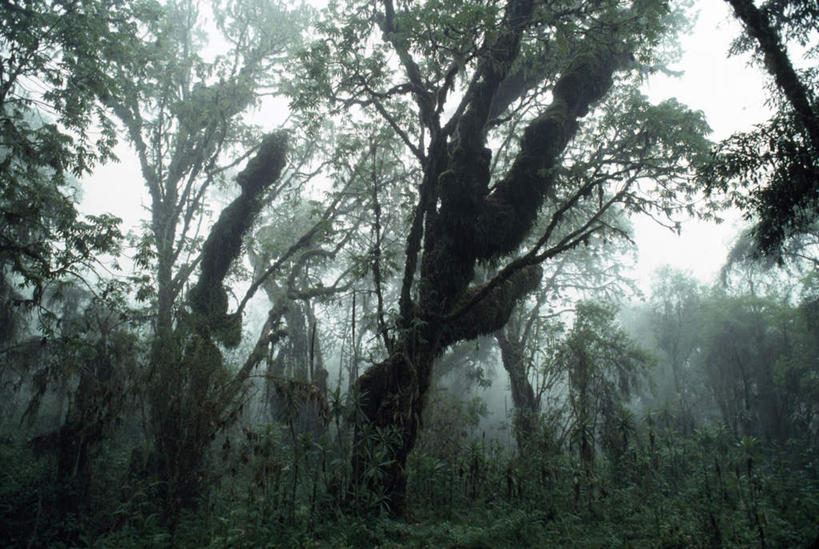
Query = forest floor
x=687 y=492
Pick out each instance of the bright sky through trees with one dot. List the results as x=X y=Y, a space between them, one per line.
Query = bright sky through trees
x=728 y=90
x=731 y=93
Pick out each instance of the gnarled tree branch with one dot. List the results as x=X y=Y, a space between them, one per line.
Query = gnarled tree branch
x=224 y=242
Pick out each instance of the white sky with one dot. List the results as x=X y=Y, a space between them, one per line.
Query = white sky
x=731 y=94
x=727 y=90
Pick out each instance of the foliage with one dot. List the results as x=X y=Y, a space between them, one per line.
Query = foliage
x=732 y=357
x=678 y=490
x=759 y=385
x=50 y=73
x=771 y=172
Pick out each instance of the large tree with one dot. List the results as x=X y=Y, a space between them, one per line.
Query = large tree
x=183 y=109
x=447 y=78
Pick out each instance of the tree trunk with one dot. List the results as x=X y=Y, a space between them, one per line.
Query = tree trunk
x=191 y=391
x=462 y=220
x=527 y=407
x=392 y=392
x=391 y=398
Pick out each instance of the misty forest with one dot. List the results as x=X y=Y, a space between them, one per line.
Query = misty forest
x=380 y=293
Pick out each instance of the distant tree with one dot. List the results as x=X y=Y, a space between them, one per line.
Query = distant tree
x=95 y=360
x=529 y=340
x=306 y=277
x=789 y=276
x=602 y=365
x=674 y=316
x=754 y=362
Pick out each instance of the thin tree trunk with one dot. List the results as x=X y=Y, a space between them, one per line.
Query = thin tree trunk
x=523 y=395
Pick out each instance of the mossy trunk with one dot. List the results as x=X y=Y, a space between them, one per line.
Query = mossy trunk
x=392 y=392
x=464 y=218
x=391 y=398
x=527 y=407
x=192 y=392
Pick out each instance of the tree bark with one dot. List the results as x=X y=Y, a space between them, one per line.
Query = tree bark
x=470 y=225
x=524 y=422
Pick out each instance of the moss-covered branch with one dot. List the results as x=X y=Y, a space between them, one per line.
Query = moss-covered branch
x=465 y=184
x=223 y=245
x=492 y=312
x=511 y=209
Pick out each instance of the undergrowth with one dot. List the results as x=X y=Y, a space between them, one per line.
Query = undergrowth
x=703 y=490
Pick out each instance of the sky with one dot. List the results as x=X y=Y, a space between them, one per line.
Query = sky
x=729 y=91
x=732 y=95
